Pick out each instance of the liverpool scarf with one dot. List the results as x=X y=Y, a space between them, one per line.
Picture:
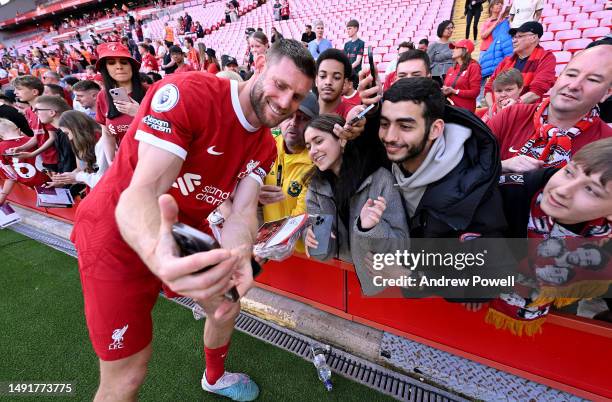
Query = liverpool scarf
x=551 y=144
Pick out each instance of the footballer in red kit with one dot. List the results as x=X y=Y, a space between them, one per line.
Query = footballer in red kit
x=196 y=142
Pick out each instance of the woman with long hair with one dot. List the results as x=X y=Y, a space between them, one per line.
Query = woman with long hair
x=439 y=53
x=82 y=132
x=119 y=70
x=362 y=201
x=258 y=44
x=202 y=54
x=213 y=64
x=462 y=82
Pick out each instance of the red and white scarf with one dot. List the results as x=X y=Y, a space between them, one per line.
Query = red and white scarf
x=551 y=144
x=549 y=276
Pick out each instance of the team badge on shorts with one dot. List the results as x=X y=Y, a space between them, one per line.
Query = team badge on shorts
x=294 y=188
x=117 y=338
x=165 y=98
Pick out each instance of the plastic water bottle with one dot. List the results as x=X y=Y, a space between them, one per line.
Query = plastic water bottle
x=320 y=363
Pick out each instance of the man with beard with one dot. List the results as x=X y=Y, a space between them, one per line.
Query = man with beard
x=173 y=167
x=333 y=67
x=548 y=133
x=444 y=160
x=284 y=192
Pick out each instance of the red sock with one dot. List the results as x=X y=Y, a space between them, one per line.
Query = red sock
x=215 y=363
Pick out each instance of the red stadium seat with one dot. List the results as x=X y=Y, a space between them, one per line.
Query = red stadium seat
x=577 y=17
x=560 y=26
x=584 y=24
x=569 y=34
x=559 y=68
x=574 y=45
x=569 y=10
x=595 y=33
x=549 y=12
x=563 y=56
x=552 y=45
x=554 y=19
x=593 y=7
x=548 y=36
x=602 y=15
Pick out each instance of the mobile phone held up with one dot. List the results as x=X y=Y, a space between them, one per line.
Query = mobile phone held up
x=119 y=94
x=372 y=65
x=191 y=241
x=361 y=115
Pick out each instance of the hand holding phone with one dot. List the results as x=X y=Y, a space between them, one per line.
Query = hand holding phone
x=361 y=115
x=191 y=241
x=372 y=66
x=119 y=94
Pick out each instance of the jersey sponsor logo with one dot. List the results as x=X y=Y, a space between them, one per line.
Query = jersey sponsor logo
x=165 y=98
x=117 y=336
x=187 y=183
x=211 y=150
x=212 y=195
x=162 y=126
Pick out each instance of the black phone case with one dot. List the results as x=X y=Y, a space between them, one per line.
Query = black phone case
x=191 y=241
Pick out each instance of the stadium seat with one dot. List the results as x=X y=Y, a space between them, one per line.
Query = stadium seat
x=568 y=34
x=574 y=45
x=563 y=56
x=593 y=7
x=549 y=12
x=584 y=24
x=552 y=45
x=548 y=36
x=569 y=10
x=554 y=19
x=602 y=15
x=577 y=17
x=595 y=33
x=559 y=26
x=559 y=68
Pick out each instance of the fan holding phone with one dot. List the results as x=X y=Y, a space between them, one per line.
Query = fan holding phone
x=347 y=211
x=118 y=103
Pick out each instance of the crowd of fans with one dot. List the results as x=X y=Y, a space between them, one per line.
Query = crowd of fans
x=454 y=147
x=66 y=112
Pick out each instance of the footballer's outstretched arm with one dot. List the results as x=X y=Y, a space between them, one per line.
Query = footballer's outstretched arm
x=145 y=215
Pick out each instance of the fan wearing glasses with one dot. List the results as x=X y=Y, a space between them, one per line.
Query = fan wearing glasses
x=536 y=64
x=48 y=109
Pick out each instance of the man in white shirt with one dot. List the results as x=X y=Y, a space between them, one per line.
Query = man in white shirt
x=524 y=11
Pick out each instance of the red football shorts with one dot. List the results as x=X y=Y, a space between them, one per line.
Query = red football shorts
x=118 y=314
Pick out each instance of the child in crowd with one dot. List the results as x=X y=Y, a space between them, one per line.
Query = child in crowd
x=573 y=207
x=27 y=89
x=49 y=109
x=507 y=88
x=83 y=132
x=12 y=169
x=366 y=206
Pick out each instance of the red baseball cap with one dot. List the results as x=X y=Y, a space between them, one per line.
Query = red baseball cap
x=115 y=49
x=463 y=43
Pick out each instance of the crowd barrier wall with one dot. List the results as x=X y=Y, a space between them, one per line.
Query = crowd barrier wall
x=571 y=354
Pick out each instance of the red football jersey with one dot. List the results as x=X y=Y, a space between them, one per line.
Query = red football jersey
x=23 y=171
x=41 y=132
x=117 y=126
x=198 y=118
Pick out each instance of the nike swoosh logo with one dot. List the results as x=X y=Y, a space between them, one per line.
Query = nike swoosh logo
x=211 y=150
x=511 y=149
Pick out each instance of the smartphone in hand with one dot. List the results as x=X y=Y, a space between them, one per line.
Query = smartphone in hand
x=191 y=241
x=119 y=94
